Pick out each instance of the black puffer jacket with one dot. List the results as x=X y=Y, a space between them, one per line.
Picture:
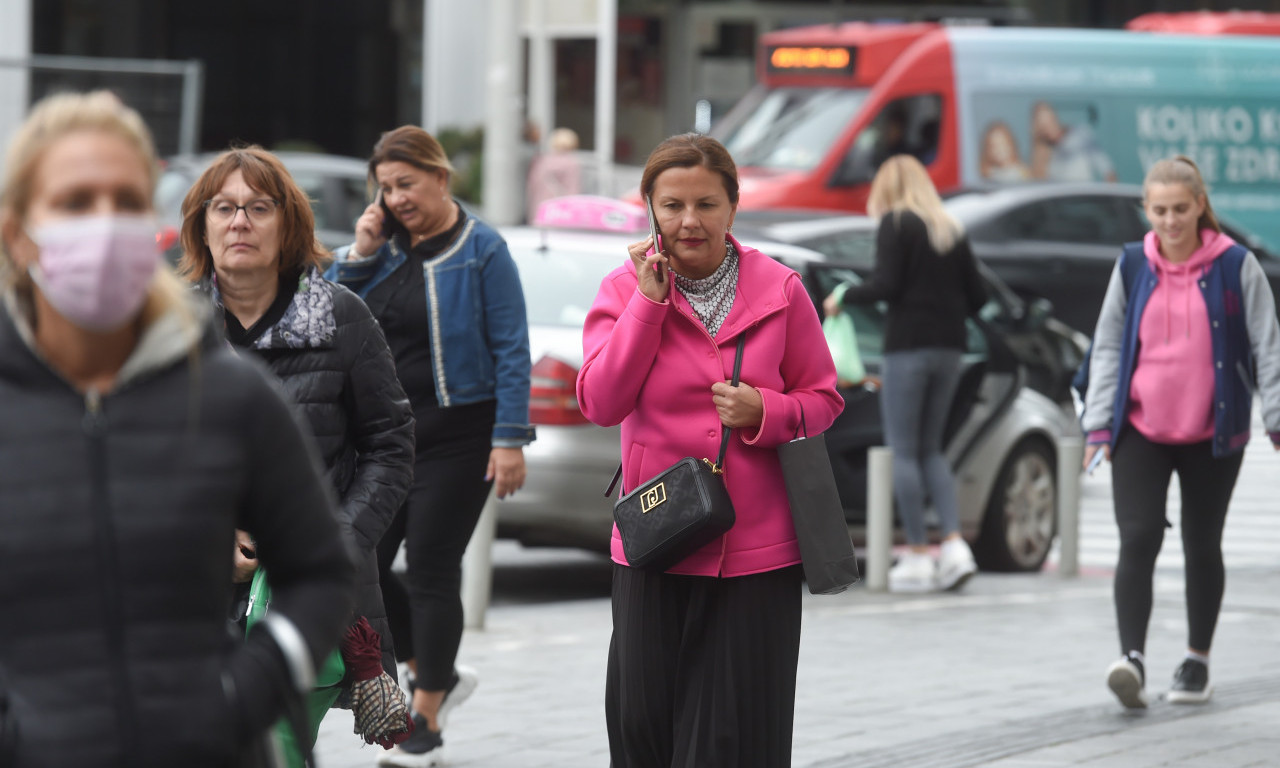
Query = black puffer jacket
x=333 y=360
x=117 y=517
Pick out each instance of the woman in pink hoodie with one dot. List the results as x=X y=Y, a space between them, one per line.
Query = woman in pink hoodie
x=1178 y=355
x=702 y=665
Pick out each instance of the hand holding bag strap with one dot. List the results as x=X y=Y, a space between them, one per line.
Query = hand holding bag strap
x=737 y=372
x=724 y=435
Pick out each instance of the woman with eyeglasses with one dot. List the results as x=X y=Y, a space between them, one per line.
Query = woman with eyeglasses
x=132 y=444
x=248 y=239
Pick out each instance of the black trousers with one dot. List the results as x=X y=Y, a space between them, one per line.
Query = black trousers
x=1140 y=472
x=435 y=524
x=702 y=671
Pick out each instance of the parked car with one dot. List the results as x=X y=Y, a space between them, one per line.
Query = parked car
x=335 y=185
x=1056 y=242
x=1001 y=435
x=1060 y=242
x=1049 y=350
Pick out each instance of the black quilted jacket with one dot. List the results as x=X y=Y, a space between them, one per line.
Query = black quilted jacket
x=334 y=363
x=116 y=523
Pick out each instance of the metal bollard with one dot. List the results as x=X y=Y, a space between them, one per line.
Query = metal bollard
x=477 y=566
x=879 y=517
x=1070 y=458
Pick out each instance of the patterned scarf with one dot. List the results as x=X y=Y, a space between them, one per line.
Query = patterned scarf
x=712 y=296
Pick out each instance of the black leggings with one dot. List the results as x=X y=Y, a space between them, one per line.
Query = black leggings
x=1140 y=474
x=435 y=524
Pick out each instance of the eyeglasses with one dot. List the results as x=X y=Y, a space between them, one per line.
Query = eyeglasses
x=258 y=211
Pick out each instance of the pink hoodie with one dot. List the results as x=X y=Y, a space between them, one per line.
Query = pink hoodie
x=650 y=367
x=1172 y=387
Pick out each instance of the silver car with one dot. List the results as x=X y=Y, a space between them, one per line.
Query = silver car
x=1002 y=436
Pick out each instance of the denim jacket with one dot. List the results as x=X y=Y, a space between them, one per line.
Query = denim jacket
x=477 y=323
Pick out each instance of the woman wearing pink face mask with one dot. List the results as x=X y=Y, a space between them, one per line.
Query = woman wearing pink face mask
x=132 y=444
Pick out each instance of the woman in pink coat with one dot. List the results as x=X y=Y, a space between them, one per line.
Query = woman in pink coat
x=702 y=665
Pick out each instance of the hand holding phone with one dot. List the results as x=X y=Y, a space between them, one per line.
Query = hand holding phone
x=1096 y=460
x=386 y=215
x=653 y=232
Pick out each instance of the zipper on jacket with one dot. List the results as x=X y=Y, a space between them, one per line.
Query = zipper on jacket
x=104 y=537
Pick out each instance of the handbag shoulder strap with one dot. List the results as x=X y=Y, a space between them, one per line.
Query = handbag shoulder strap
x=724 y=435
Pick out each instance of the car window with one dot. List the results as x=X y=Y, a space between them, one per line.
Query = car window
x=560 y=284
x=869 y=320
x=1089 y=220
x=850 y=247
x=906 y=126
x=355 y=198
x=312 y=184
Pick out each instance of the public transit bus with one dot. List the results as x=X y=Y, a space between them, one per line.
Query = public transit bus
x=982 y=106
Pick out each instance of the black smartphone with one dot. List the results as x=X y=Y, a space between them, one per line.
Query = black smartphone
x=386 y=215
x=653 y=231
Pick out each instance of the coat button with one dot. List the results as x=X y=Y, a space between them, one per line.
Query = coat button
x=1219 y=363
x=711 y=433
x=1222 y=405
x=1215 y=323
x=1203 y=284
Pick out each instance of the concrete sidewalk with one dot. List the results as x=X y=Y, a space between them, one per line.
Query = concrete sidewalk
x=1009 y=673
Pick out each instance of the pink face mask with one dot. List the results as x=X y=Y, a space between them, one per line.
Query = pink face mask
x=95 y=270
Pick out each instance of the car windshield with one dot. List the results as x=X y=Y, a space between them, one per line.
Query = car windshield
x=560 y=284
x=793 y=128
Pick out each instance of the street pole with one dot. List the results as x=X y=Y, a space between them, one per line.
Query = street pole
x=606 y=91
x=477 y=566
x=15 y=43
x=542 y=58
x=1070 y=457
x=879 y=517
x=502 y=185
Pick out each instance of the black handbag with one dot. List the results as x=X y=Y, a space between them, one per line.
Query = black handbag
x=682 y=509
x=830 y=563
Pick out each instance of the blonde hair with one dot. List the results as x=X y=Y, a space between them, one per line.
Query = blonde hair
x=902 y=184
x=1181 y=169
x=52 y=119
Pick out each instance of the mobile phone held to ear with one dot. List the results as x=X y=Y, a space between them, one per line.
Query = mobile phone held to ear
x=386 y=215
x=653 y=232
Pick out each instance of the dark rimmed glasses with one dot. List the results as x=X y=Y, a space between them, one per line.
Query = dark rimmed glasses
x=258 y=211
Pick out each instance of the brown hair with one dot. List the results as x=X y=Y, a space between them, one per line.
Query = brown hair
x=411 y=145
x=1181 y=169
x=264 y=173
x=687 y=151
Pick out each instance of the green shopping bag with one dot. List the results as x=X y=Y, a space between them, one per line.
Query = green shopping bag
x=842 y=340
x=328 y=678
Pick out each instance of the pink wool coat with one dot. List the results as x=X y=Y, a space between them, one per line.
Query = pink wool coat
x=649 y=366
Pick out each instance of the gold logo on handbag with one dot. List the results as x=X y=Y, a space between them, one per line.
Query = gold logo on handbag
x=653 y=497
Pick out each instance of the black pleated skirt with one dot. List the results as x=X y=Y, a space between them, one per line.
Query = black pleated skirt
x=702 y=671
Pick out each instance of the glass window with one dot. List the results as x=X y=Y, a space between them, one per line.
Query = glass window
x=857 y=248
x=1084 y=220
x=907 y=126
x=794 y=128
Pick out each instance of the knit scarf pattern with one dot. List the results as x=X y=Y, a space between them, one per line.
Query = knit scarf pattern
x=711 y=297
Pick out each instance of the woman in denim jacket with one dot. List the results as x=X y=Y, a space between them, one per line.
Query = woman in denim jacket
x=448 y=296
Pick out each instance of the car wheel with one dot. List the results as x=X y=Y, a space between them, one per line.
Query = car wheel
x=1021 y=517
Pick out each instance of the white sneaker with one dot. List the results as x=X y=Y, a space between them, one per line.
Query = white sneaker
x=955 y=564
x=465 y=680
x=914 y=572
